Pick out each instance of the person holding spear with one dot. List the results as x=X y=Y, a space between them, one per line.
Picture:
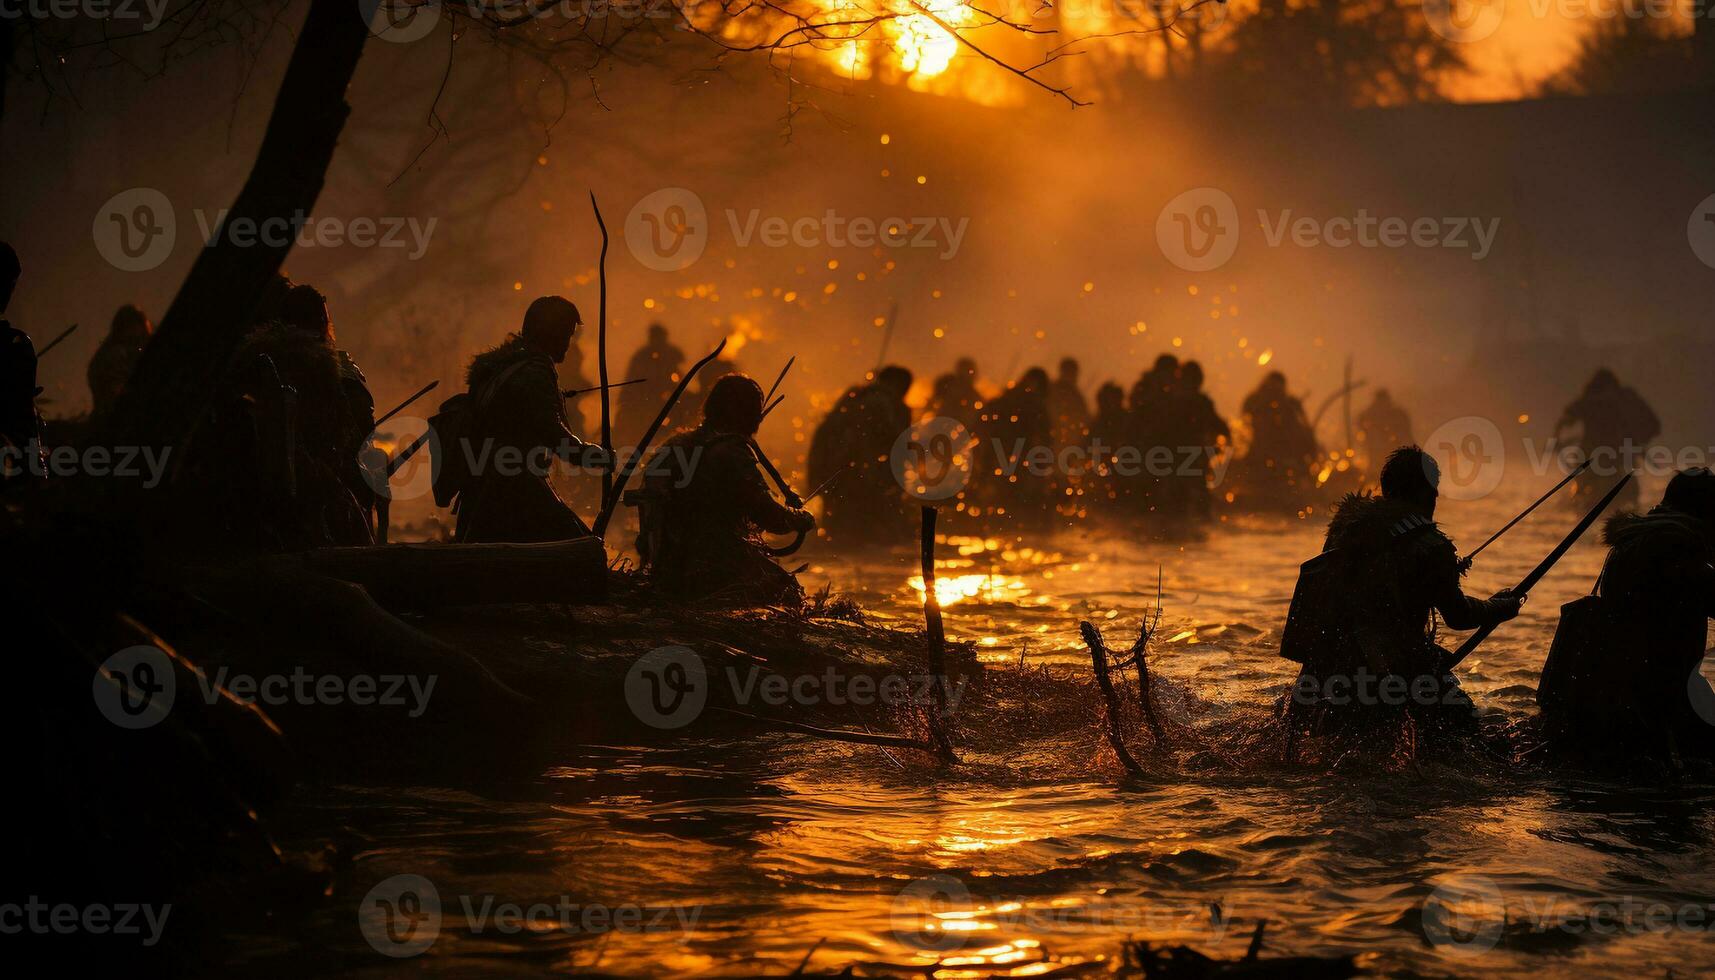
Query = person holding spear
x=1360 y=620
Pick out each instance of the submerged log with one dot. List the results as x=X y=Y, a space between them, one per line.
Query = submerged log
x=430 y=576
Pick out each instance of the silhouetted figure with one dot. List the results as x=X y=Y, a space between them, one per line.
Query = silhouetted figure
x=580 y=408
x=1624 y=678
x=331 y=416
x=1108 y=432
x=1382 y=426
x=1198 y=433
x=1151 y=436
x=955 y=394
x=1360 y=623
x=660 y=362
x=1067 y=410
x=1013 y=427
x=114 y=360
x=707 y=378
x=855 y=440
x=715 y=505
x=20 y=423
x=1280 y=466
x=520 y=430
x=1611 y=425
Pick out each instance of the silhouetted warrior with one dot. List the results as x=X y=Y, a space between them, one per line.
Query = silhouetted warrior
x=331 y=421
x=1624 y=677
x=1012 y=426
x=707 y=378
x=1283 y=447
x=518 y=430
x=660 y=362
x=1198 y=433
x=572 y=376
x=114 y=360
x=1109 y=431
x=705 y=542
x=20 y=423
x=1611 y=425
x=955 y=394
x=1152 y=430
x=1360 y=618
x=1383 y=426
x=857 y=436
x=1066 y=407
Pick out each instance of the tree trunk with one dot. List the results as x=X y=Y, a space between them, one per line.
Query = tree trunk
x=206 y=320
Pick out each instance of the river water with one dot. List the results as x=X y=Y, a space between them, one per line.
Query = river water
x=740 y=859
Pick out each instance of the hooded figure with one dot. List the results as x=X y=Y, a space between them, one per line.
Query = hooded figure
x=519 y=432
x=1624 y=677
x=853 y=446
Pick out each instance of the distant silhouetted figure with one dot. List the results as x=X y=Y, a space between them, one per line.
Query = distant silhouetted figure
x=715 y=504
x=1014 y=427
x=1198 y=433
x=520 y=430
x=114 y=360
x=1152 y=434
x=20 y=423
x=1359 y=621
x=580 y=408
x=1382 y=426
x=855 y=440
x=660 y=362
x=955 y=394
x=1624 y=677
x=1067 y=410
x=1611 y=425
x=707 y=378
x=1283 y=450
x=1109 y=431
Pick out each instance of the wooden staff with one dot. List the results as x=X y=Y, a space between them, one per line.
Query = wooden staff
x=612 y=500
x=937 y=644
x=607 y=490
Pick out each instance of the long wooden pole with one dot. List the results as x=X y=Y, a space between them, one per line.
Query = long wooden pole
x=601 y=360
x=937 y=644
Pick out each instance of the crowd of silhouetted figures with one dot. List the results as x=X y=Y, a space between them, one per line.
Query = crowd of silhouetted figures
x=1159 y=455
